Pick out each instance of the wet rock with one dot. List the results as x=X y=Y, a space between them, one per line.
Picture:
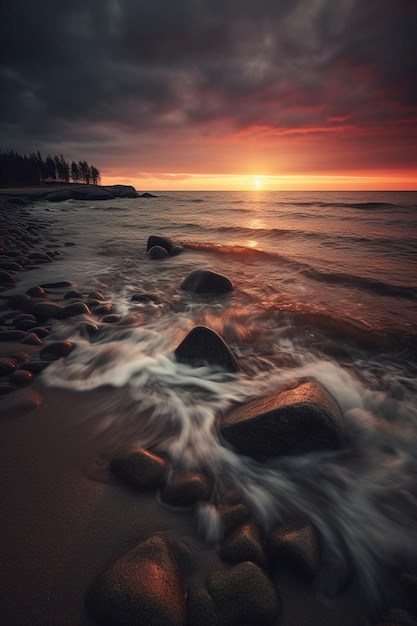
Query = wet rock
x=103 y=309
x=41 y=331
x=140 y=469
x=40 y=257
x=6 y=388
x=7 y=366
x=36 y=292
x=6 y=278
x=74 y=309
x=158 y=252
x=31 y=339
x=146 y=194
x=206 y=281
x=144 y=298
x=22 y=303
x=10 y=266
x=295 y=420
x=159 y=241
x=73 y=295
x=20 y=402
x=295 y=546
x=96 y=295
x=34 y=366
x=244 y=594
x=12 y=335
x=203 y=346
x=63 y=284
x=232 y=516
x=122 y=191
x=245 y=543
x=142 y=587
x=111 y=319
x=56 y=350
x=46 y=309
x=87 y=329
x=187 y=488
x=176 y=250
x=21 y=378
x=24 y=321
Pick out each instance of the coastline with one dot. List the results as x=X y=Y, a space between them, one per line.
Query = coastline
x=67 y=515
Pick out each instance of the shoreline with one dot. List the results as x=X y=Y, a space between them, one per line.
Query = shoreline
x=67 y=515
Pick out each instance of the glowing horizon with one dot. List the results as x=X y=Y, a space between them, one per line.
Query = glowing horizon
x=407 y=181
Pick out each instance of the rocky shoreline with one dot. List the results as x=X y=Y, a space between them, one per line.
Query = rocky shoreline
x=163 y=575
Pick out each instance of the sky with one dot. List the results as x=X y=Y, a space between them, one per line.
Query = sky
x=216 y=94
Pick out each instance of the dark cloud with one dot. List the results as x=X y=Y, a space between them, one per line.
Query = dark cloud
x=92 y=73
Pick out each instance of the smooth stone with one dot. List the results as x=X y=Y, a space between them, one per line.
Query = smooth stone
x=7 y=366
x=40 y=331
x=73 y=295
x=34 y=366
x=232 y=516
x=146 y=194
x=111 y=319
x=40 y=257
x=300 y=418
x=295 y=546
x=32 y=339
x=140 y=469
x=22 y=302
x=36 y=292
x=25 y=323
x=159 y=241
x=244 y=594
x=186 y=488
x=204 y=346
x=21 y=378
x=144 y=298
x=6 y=278
x=245 y=543
x=46 y=310
x=74 y=309
x=96 y=295
x=122 y=191
x=63 y=284
x=12 y=335
x=158 y=252
x=206 y=281
x=20 y=402
x=143 y=586
x=102 y=309
x=56 y=350
x=10 y=266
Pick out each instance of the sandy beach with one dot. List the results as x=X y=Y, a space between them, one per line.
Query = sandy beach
x=67 y=516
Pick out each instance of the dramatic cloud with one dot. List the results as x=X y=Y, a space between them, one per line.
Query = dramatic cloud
x=212 y=86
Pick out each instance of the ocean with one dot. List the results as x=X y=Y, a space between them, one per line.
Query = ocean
x=325 y=287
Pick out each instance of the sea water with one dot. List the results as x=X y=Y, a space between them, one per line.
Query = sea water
x=325 y=286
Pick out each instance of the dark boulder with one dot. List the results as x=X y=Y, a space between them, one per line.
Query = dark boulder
x=187 y=488
x=144 y=586
x=206 y=281
x=73 y=309
x=244 y=594
x=295 y=546
x=245 y=543
x=56 y=350
x=121 y=191
x=158 y=252
x=300 y=418
x=203 y=346
x=140 y=469
x=146 y=194
x=45 y=310
x=157 y=240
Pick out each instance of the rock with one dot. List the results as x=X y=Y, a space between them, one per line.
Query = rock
x=24 y=321
x=145 y=297
x=7 y=366
x=244 y=594
x=12 y=335
x=63 y=284
x=56 y=350
x=34 y=366
x=157 y=240
x=10 y=266
x=294 y=420
x=140 y=469
x=158 y=252
x=6 y=388
x=73 y=309
x=73 y=295
x=144 y=586
x=103 y=309
x=96 y=295
x=20 y=401
x=233 y=515
x=245 y=543
x=122 y=191
x=22 y=303
x=40 y=257
x=146 y=194
x=206 y=281
x=295 y=546
x=46 y=309
x=187 y=488
x=113 y=318
x=6 y=278
x=203 y=346
x=36 y=292
x=21 y=378
x=31 y=339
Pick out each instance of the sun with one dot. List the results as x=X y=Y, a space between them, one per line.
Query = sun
x=257 y=182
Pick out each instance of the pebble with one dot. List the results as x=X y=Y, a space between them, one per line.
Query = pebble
x=140 y=469
x=20 y=402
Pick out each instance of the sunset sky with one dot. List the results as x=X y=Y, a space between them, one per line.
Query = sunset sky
x=216 y=94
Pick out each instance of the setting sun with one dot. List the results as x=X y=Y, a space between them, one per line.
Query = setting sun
x=257 y=182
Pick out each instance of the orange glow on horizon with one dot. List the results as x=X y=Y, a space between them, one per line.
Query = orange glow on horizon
x=379 y=181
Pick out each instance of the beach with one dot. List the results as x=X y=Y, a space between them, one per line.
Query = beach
x=70 y=513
